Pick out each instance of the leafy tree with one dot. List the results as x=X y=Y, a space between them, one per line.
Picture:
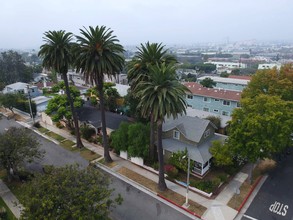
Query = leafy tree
x=205 y=67
x=57 y=56
x=13 y=69
x=138 y=140
x=119 y=138
x=216 y=120
x=179 y=159
x=162 y=96
x=8 y=100
x=272 y=82
x=148 y=55
x=98 y=53
x=208 y=82
x=68 y=193
x=111 y=95
x=222 y=154
x=261 y=127
x=14 y=152
x=59 y=108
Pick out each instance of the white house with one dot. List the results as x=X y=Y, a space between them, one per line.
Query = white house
x=22 y=88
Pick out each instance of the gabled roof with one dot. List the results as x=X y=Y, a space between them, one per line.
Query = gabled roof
x=191 y=127
x=17 y=86
x=199 y=90
x=200 y=153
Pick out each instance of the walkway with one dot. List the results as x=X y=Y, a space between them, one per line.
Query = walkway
x=217 y=208
x=10 y=200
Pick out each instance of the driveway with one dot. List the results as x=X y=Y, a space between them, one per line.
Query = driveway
x=274 y=201
x=93 y=116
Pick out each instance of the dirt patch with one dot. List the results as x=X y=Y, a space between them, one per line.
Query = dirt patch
x=169 y=194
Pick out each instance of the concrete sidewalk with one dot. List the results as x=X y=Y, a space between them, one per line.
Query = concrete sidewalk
x=10 y=200
x=217 y=208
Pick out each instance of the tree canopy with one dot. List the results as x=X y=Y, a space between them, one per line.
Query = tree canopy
x=68 y=193
x=208 y=82
x=59 y=108
x=13 y=69
x=17 y=146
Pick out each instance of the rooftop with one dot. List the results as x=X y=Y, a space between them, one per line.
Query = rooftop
x=226 y=80
x=199 y=90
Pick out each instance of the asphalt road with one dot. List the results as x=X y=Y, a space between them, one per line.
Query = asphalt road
x=138 y=205
x=55 y=155
x=274 y=201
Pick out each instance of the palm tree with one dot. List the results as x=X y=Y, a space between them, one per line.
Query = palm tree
x=98 y=53
x=148 y=55
x=57 y=56
x=161 y=95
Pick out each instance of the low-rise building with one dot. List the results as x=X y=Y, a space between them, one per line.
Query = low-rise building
x=227 y=83
x=217 y=101
x=193 y=134
x=22 y=88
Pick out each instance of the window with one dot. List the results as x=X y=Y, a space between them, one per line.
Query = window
x=226 y=102
x=189 y=105
x=190 y=96
x=217 y=100
x=206 y=133
x=225 y=113
x=206 y=99
x=176 y=135
x=33 y=90
x=238 y=104
x=216 y=110
x=206 y=109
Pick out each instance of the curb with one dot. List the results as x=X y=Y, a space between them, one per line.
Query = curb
x=179 y=206
x=249 y=194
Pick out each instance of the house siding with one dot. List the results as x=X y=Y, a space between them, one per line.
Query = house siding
x=211 y=104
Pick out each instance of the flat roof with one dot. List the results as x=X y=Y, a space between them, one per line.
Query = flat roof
x=226 y=80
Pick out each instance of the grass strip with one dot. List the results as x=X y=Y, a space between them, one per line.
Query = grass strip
x=169 y=194
x=55 y=136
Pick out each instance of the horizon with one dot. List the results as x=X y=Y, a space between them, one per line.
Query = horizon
x=134 y=22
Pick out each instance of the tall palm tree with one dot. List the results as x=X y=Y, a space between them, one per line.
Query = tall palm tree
x=57 y=56
x=97 y=53
x=148 y=55
x=161 y=95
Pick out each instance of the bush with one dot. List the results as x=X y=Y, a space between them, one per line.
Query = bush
x=155 y=166
x=171 y=171
x=37 y=124
x=87 y=132
x=3 y=213
x=59 y=125
x=223 y=177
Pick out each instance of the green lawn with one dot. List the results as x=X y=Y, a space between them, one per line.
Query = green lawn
x=89 y=155
x=43 y=130
x=10 y=215
x=55 y=136
x=67 y=144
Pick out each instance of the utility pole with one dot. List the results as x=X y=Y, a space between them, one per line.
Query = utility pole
x=30 y=103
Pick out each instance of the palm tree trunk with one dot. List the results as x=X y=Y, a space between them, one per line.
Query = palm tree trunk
x=107 y=156
x=152 y=138
x=76 y=126
x=162 y=184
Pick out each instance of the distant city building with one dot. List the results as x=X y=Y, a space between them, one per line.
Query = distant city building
x=227 y=83
x=227 y=66
x=264 y=66
x=217 y=101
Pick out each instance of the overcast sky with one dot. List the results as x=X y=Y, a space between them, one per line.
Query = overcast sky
x=23 y=22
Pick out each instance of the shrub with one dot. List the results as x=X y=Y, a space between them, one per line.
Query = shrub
x=3 y=213
x=37 y=124
x=59 y=125
x=87 y=132
x=155 y=166
x=223 y=177
x=171 y=171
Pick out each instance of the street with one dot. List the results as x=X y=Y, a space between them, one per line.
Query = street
x=136 y=204
x=139 y=205
x=274 y=201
